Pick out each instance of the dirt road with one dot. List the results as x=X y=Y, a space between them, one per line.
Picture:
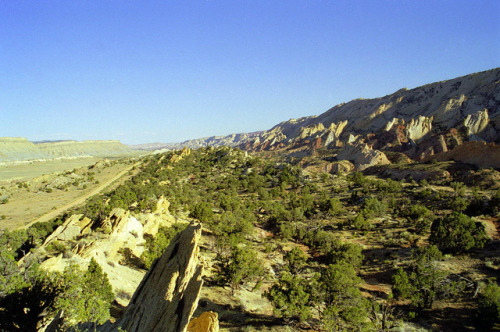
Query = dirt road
x=54 y=213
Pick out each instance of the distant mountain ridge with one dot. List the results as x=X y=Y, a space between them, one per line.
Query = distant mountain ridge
x=419 y=122
x=21 y=149
x=471 y=101
x=229 y=140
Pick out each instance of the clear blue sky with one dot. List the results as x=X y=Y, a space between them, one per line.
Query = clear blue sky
x=166 y=71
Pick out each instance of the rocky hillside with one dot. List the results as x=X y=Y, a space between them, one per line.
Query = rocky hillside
x=216 y=141
x=470 y=104
x=421 y=122
x=19 y=149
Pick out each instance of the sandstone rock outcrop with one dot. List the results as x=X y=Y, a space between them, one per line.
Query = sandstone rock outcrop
x=125 y=235
x=341 y=167
x=418 y=128
x=475 y=153
x=178 y=157
x=333 y=133
x=70 y=229
x=168 y=295
x=206 y=322
x=117 y=251
x=477 y=122
x=363 y=156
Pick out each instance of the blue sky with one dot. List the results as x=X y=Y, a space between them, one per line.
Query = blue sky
x=166 y=71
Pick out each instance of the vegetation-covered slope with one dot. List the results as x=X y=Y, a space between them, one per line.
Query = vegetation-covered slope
x=292 y=249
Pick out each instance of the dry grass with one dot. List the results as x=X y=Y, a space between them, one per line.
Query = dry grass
x=26 y=205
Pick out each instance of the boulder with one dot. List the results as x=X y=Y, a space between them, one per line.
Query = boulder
x=207 y=322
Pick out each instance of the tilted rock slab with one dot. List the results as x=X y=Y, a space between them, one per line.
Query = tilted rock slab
x=168 y=295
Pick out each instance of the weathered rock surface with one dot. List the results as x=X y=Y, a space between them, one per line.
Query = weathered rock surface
x=340 y=167
x=70 y=229
x=477 y=122
x=363 y=156
x=475 y=153
x=125 y=236
x=184 y=152
x=168 y=295
x=206 y=322
x=418 y=128
x=117 y=250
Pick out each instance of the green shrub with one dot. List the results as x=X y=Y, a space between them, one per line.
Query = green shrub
x=238 y=266
x=360 y=222
x=155 y=246
x=84 y=297
x=295 y=260
x=203 y=212
x=372 y=207
x=424 y=282
x=346 y=308
x=489 y=306
x=420 y=217
x=290 y=297
x=457 y=233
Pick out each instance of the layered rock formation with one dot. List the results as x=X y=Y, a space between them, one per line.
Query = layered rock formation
x=363 y=156
x=20 y=149
x=116 y=246
x=420 y=122
x=480 y=154
x=124 y=239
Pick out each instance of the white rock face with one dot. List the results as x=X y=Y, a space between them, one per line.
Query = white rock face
x=363 y=156
x=111 y=251
x=418 y=128
x=334 y=132
x=477 y=122
x=449 y=111
x=447 y=102
x=393 y=122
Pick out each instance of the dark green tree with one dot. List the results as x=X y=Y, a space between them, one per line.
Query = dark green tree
x=457 y=233
x=424 y=282
x=290 y=297
x=489 y=306
x=345 y=307
x=84 y=297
